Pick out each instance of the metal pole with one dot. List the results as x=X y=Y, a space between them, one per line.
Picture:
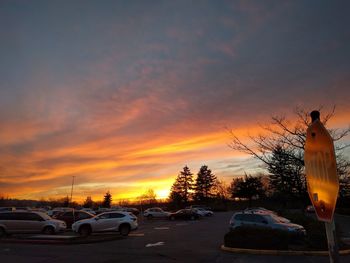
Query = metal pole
x=71 y=191
x=332 y=242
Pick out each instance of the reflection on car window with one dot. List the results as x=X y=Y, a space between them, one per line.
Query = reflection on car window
x=104 y=216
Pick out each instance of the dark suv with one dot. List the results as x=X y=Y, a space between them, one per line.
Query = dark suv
x=71 y=217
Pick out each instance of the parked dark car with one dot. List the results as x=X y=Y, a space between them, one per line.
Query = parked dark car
x=71 y=217
x=187 y=214
x=133 y=210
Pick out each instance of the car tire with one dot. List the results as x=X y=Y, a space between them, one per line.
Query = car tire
x=192 y=218
x=172 y=218
x=124 y=230
x=48 y=230
x=84 y=230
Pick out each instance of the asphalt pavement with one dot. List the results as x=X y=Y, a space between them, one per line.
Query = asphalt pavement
x=154 y=241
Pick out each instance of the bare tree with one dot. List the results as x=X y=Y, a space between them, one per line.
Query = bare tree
x=290 y=136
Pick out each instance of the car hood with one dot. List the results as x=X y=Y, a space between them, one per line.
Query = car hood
x=291 y=225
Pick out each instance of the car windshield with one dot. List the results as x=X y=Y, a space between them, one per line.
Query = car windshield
x=279 y=219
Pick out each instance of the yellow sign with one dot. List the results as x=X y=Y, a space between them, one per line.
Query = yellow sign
x=321 y=169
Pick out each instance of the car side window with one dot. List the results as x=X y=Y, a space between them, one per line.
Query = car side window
x=116 y=215
x=70 y=214
x=259 y=219
x=239 y=217
x=249 y=218
x=33 y=217
x=104 y=216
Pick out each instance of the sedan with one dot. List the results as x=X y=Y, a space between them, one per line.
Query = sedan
x=188 y=214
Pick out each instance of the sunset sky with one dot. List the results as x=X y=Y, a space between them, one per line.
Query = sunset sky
x=124 y=94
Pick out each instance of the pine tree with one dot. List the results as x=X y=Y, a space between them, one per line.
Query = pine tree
x=286 y=176
x=205 y=184
x=247 y=187
x=107 y=200
x=88 y=203
x=181 y=189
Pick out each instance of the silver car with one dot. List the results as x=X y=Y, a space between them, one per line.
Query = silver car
x=267 y=220
x=119 y=221
x=29 y=222
x=155 y=212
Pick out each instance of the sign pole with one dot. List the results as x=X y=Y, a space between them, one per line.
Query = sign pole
x=322 y=178
x=332 y=244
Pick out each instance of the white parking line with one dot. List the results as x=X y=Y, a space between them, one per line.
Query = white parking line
x=161 y=228
x=182 y=224
x=155 y=244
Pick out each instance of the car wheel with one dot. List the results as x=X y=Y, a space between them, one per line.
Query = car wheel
x=149 y=217
x=124 y=230
x=48 y=230
x=192 y=218
x=172 y=218
x=2 y=232
x=84 y=230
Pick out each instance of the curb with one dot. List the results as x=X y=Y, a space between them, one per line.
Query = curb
x=73 y=241
x=281 y=252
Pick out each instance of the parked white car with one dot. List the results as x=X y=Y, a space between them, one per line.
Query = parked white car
x=266 y=220
x=21 y=222
x=118 y=221
x=155 y=212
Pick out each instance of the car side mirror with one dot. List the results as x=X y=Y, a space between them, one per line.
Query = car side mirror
x=97 y=218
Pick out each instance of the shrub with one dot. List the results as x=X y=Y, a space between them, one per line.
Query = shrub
x=316 y=237
x=256 y=238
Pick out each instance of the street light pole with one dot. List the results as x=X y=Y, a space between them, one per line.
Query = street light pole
x=71 y=191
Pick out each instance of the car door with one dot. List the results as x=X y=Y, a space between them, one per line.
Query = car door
x=157 y=212
x=104 y=223
x=260 y=221
x=34 y=223
x=247 y=220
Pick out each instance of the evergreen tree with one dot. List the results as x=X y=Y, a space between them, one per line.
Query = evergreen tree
x=286 y=175
x=205 y=184
x=65 y=201
x=88 y=203
x=107 y=200
x=181 y=189
x=247 y=187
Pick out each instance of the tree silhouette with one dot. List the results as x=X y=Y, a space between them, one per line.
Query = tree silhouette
x=88 y=203
x=286 y=176
x=284 y=142
x=247 y=187
x=181 y=189
x=149 y=197
x=65 y=201
x=204 y=185
x=107 y=200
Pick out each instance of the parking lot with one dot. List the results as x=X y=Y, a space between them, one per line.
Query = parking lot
x=154 y=241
